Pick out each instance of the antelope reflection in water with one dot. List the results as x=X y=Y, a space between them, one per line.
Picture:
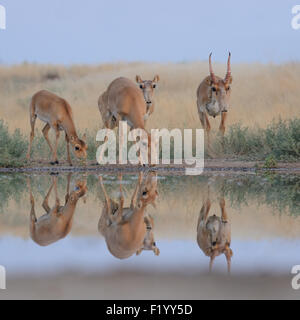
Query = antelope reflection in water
x=214 y=232
x=130 y=230
x=57 y=222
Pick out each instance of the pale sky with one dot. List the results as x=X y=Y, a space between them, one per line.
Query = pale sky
x=97 y=31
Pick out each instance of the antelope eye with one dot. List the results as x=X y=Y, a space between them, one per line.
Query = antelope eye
x=154 y=244
x=228 y=88
x=214 y=89
x=145 y=193
x=77 y=148
x=141 y=86
x=154 y=86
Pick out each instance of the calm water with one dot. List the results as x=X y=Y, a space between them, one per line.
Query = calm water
x=252 y=221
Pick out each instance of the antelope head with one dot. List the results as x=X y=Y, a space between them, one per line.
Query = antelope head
x=149 y=242
x=220 y=88
x=79 y=191
x=147 y=87
x=80 y=147
x=148 y=190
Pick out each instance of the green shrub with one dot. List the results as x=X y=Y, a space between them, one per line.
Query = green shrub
x=280 y=141
x=12 y=147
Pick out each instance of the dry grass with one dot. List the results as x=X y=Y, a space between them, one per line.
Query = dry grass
x=260 y=92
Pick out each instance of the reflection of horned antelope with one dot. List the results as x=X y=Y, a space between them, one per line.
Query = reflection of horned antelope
x=214 y=233
x=123 y=101
x=147 y=87
x=57 y=114
x=129 y=230
x=57 y=222
x=213 y=97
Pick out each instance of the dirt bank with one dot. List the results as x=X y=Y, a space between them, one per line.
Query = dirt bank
x=218 y=165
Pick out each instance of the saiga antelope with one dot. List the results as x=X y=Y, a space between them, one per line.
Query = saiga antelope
x=148 y=87
x=213 y=96
x=57 y=222
x=124 y=101
x=214 y=233
x=127 y=230
x=57 y=114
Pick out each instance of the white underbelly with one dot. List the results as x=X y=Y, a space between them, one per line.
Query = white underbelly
x=213 y=109
x=47 y=120
x=43 y=118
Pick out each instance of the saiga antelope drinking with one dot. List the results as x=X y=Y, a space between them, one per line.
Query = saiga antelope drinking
x=57 y=222
x=213 y=96
x=129 y=230
x=57 y=114
x=214 y=233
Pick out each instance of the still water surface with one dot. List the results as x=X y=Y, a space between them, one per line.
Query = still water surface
x=247 y=223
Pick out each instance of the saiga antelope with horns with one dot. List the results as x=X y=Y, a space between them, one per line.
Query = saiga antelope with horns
x=129 y=230
x=214 y=233
x=56 y=224
x=124 y=101
x=57 y=114
x=213 y=96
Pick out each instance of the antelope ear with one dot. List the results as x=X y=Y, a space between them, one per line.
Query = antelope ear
x=138 y=79
x=84 y=137
x=156 y=78
x=209 y=81
x=229 y=81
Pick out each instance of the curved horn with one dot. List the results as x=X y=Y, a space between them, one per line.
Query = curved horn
x=212 y=75
x=228 y=75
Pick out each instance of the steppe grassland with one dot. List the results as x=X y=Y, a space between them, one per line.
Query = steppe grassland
x=260 y=93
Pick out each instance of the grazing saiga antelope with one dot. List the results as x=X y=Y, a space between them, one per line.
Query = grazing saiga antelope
x=213 y=97
x=123 y=101
x=214 y=233
x=147 y=87
x=56 y=224
x=57 y=114
x=129 y=230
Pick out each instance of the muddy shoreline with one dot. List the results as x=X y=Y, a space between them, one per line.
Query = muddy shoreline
x=211 y=166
